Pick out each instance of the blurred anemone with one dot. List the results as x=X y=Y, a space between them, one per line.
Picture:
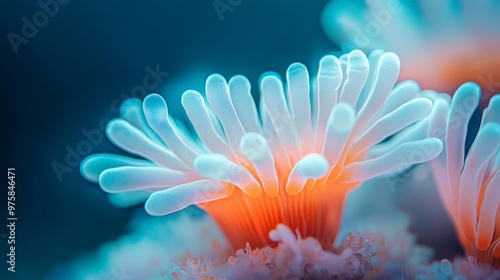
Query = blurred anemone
x=442 y=44
x=291 y=162
x=469 y=186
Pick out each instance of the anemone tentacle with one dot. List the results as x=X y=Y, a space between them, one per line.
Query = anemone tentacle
x=290 y=160
x=469 y=185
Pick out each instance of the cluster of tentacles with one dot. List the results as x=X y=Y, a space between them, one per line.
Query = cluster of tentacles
x=288 y=166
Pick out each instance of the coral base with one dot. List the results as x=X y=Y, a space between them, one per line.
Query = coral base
x=314 y=212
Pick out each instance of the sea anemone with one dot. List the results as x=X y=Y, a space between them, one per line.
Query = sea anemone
x=291 y=162
x=469 y=186
x=442 y=44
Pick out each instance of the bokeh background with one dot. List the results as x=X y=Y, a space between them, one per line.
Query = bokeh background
x=90 y=56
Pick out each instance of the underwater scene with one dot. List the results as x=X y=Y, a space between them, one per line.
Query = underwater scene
x=236 y=139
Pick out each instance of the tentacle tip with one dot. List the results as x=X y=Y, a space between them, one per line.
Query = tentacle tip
x=313 y=166
x=153 y=97
x=495 y=100
x=129 y=104
x=345 y=109
x=390 y=59
x=436 y=147
x=269 y=77
x=190 y=96
x=482 y=244
x=329 y=66
x=216 y=77
x=491 y=129
x=253 y=145
x=274 y=235
x=469 y=89
x=155 y=107
x=377 y=52
x=239 y=81
x=116 y=124
x=157 y=206
x=215 y=83
x=343 y=118
x=358 y=61
x=413 y=84
x=84 y=165
x=109 y=181
x=206 y=163
x=296 y=69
